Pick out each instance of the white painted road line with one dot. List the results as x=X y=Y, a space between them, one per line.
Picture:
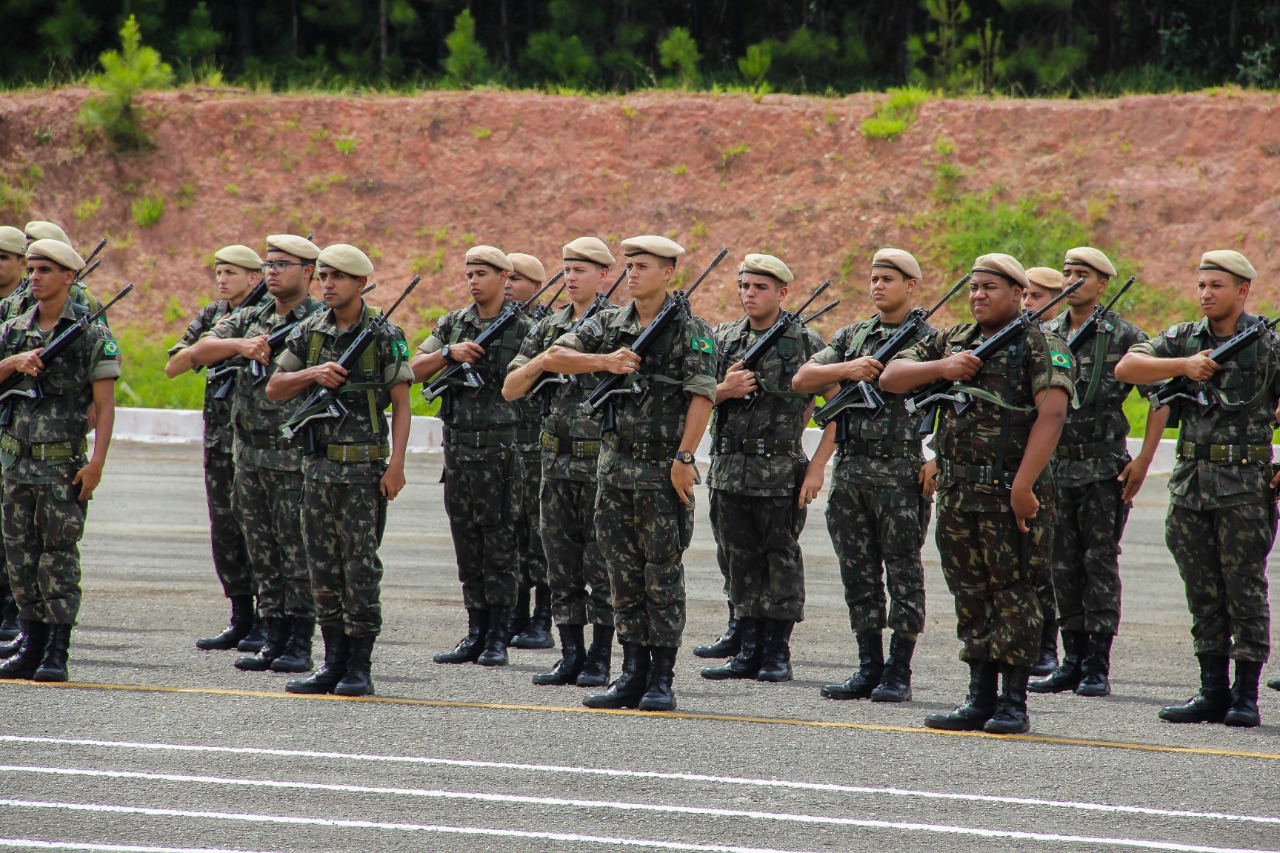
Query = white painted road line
x=37 y=844
x=643 y=774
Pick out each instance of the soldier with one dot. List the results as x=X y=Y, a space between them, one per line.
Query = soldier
x=1222 y=505
x=268 y=479
x=570 y=441
x=758 y=467
x=13 y=263
x=353 y=471
x=21 y=299
x=1043 y=284
x=481 y=462
x=47 y=481
x=238 y=270
x=881 y=496
x=992 y=487
x=647 y=470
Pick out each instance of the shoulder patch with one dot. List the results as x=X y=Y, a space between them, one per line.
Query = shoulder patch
x=702 y=343
x=400 y=348
x=111 y=347
x=1060 y=359
x=592 y=327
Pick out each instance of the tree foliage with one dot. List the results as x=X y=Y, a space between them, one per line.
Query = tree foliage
x=125 y=72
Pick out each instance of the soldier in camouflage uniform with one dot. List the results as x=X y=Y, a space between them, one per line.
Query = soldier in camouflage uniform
x=356 y=467
x=13 y=264
x=47 y=479
x=993 y=491
x=570 y=441
x=238 y=270
x=881 y=498
x=647 y=471
x=1222 y=501
x=482 y=464
x=268 y=479
x=22 y=300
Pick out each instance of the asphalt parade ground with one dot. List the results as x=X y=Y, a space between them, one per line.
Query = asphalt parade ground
x=155 y=746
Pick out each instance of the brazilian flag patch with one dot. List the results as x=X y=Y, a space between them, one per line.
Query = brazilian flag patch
x=400 y=348
x=1060 y=359
x=701 y=344
x=111 y=347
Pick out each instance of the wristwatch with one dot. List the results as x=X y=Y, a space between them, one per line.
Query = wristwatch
x=685 y=456
x=446 y=354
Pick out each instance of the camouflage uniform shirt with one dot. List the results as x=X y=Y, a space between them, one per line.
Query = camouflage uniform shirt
x=217 y=413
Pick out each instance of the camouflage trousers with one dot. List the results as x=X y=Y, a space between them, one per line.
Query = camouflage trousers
x=230 y=557
x=575 y=567
x=759 y=539
x=42 y=525
x=877 y=532
x=992 y=571
x=1086 y=556
x=269 y=504
x=342 y=525
x=529 y=544
x=1222 y=557
x=643 y=534
x=482 y=500
x=6 y=589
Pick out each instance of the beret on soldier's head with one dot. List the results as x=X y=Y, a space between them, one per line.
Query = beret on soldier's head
x=1229 y=260
x=528 y=266
x=1091 y=258
x=241 y=256
x=292 y=244
x=1005 y=266
x=346 y=258
x=897 y=259
x=38 y=229
x=652 y=244
x=57 y=251
x=12 y=240
x=767 y=265
x=1046 y=277
x=490 y=255
x=590 y=249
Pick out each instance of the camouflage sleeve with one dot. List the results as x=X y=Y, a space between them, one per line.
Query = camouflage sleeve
x=104 y=354
x=722 y=356
x=531 y=345
x=202 y=322
x=589 y=337
x=6 y=339
x=833 y=353
x=439 y=336
x=700 y=369
x=1049 y=363
x=394 y=356
x=231 y=326
x=813 y=341
x=1163 y=345
x=929 y=348
x=1135 y=337
x=294 y=355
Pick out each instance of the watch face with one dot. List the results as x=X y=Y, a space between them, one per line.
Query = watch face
x=685 y=456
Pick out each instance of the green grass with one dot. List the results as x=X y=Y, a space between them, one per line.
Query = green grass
x=895 y=113
x=148 y=210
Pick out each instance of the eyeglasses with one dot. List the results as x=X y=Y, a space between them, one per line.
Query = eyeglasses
x=281 y=266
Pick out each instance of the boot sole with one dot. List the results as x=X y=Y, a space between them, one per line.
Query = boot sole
x=974 y=725
x=591 y=682
x=1000 y=729
x=773 y=679
x=481 y=660
x=533 y=644
x=1242 y=722
x=840 y=696
x=300 y=666
x=264 y=666
x=657 y=706
x=353 y=694
x=891 y=697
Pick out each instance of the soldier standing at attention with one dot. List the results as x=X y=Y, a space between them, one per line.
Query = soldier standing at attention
x=993 y=486
x=481 y=461
x=570 y=442
x=13 y=263
x=357 y=466
x=237 y=269
x=268 y=481
x=1043 y=284
x=881 y=496
x=22 y=300
x=1222 y=503
x=647 y=471
x=47 y=481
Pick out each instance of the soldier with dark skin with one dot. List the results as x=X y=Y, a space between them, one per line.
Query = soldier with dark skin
x=21 y=299
x=1222 y=502
x=13 y=264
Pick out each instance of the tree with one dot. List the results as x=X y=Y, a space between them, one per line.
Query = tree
x=125 y=73
x=466 y=64
x=679 y=52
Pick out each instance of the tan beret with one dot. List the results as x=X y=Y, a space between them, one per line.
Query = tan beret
x=652 y=244
x=897 y=259
x=528 y=266
x=1230 y=261
x=38 y=229
x=767 y=265
x=241 y=256
x=1046 y=277
x=58 y=252
x=346 y=258
x=490 y=255
x=292 y=244
x=12 y=240
x=590 y=249
x=1091 y=258
x=1005 y=266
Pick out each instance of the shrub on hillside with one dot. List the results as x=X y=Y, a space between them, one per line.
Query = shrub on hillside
x=126 y=72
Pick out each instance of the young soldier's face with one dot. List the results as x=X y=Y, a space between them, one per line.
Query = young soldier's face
x=993 y=300
x=234 y=282
x=488 y=284
x=890 y=289
x=648 y=275
x=287 y=276
x=338 y=289
x=1221 y=294
x=1036 y=297
x=1095 y=284
x=582 y=280
x=521 y=289
x=11 y=267
x=49 y=280
x=761 y=295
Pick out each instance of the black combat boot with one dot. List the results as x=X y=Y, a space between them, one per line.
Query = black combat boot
x=296 y=656
x=495 y=640
x=8 y=617
x=538 y=633
x=595 y=669
x=277 y=639
x=237 y=629
x=519 y=616
x=53 y=666
x=1211 y=703
x=336 y=652
x=727 y=645
x=869 y=672
x=1243 y=712
x=1274 y=684
x=1095 y=668
x=9 y=649
x=979 y=706
x=571 y=660
x=775 y=663
x=358 y=681
x=895 y=684
x=626 y=691
x=746 y=663
x=1011 y=716
x=257 y=635
x=470 y=646
x=1048 y=648
x=658 y=695
x=1075 y=645
x=26 y=660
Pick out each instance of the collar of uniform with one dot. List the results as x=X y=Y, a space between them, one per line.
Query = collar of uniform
x=627 y=316
x=471 y=314
x=28 y=319
x=330 y=327
x=1242 y=322
x=562 y=318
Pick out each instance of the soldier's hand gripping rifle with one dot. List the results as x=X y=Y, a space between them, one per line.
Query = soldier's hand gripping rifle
x=276 y=341
x=546 y=383
x=1089 y=328
x=865 y=395
x=223 y=376
x=756 y=352
x=929 y=398
x=322 y=402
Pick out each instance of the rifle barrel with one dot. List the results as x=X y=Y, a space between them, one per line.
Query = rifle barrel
x=715 y=262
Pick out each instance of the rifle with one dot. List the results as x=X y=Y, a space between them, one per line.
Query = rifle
x=931 y=397
x=610 y=387
x=322 y=402
x=17 y=385
x=865 y=395
x=89 y=270
x=756 y=352
x=224 y=374
x=543 y=384
x=97 y=250
x=276 y=340
x=541 y=311
x=1090 y=326
x=816 y=314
